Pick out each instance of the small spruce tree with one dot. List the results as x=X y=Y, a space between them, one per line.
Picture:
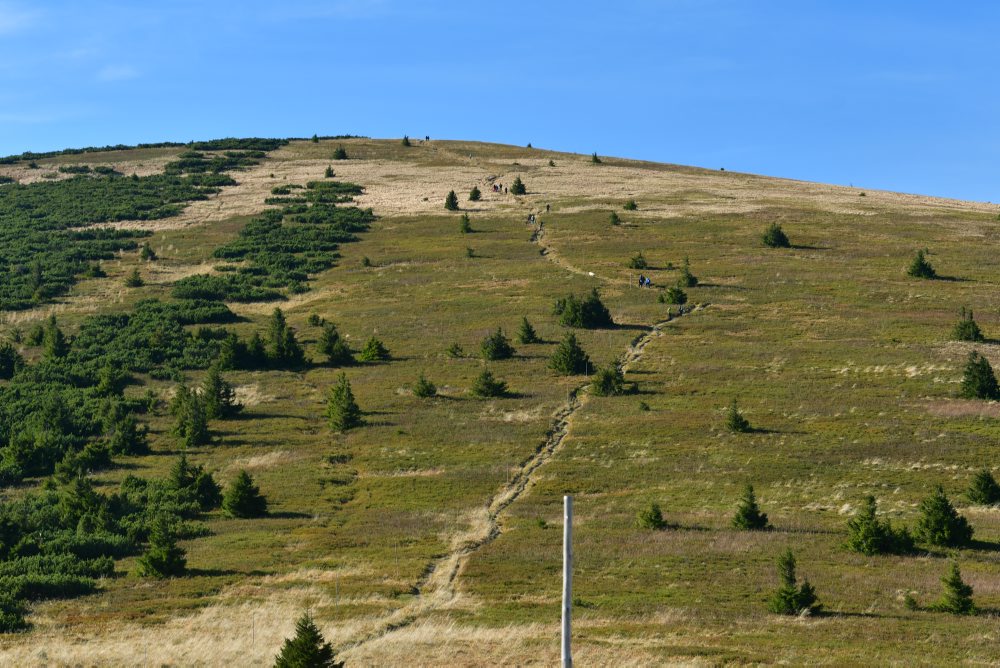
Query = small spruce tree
x=614 y=218
x=487 y=386
x=518 y=188
x=608 y=382
x=748 y=514
x=147 y=253
x=984 y=490
x=374 y=351
x=464 y=224
x=308 y=649
x=673 y=295
x=867 y=534
x=315 y=139
x=940 y=524
x=735 y=421
x=687 y=279
x=978 y=380
x=569 y=359
x=332 y=345
x=11 y=361
x=54 y=343
x=638 y=261
x=920 y=267
x=651 y=517
x=475 y=195
x=775 y=237
x=790 y=598
x=966 y=328
x=329 y=173
x=134 y=279
x=451 y=201
x=957 y=598
x=243 y=498
x=340 y=153
x=219 y=395
x=630 y=205
x=424 y=388
x=341 y=409
x=405 y=141
x=497 y=346
x=526 y=333
x=164 y=558
x=594 y=159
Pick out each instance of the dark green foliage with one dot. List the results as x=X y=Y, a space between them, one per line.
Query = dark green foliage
x=374 y=351
x=10 y=360
x=451 y=201
x=517 y=187
x=282 y=348
x=219 y=396
x=790 y=598
x=470 y=252
x=614 y=218
x=748 y=514
x=464 y=225
x=163 y=558
x=333 y=346
x=594 y=159
x=630 y=205
x=497 y=346
x=569 y=359
x=978 y=380
x=308 y=649
x=474 y=194
x=638 y=261
x=940 y=524
x=984 y=489
x=195 y=482
x=328 y=172
x=11 y=615
x=589 y=313
x=552 y=163
x=315 y=320
x=424 y=388
x=966 y=328
x=94 y=270
x=526 y=333
x=735 y=422
x=869 y=535
x=54 y=343
x=340 y=153
x=687 y=279
x=191 y=417
x=673 y=295
x=243 y=498
x=651 y=517
x=957 y=598
x=134 y=279
x=341 y=409
x=921 y=267
x=146 y=252
x=455 y=351
x=775 y=237
x=315 y=139
x=406 y=141
x=486 y=386
x=609 y=382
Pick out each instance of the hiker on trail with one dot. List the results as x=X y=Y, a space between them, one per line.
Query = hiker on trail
x=505 y=190
x=642 y=280
x=547 y=207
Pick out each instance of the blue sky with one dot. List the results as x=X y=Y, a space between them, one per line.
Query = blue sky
x=894 y=95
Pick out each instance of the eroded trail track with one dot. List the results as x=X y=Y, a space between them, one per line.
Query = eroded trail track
x=438 y=586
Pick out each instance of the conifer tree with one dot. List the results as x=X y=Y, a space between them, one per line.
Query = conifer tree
x=282 y=348
x=464 y=224
x=341 y=409
x=163 y=558
x=526 y=333
x=451 y=201
x=54 y=343
x=475 y=195
x=687 y=279
x=978 y=380
x=673 y=295
x=11 y=360
x=735 y=422
x=984 y=489
x=328 y=172
x=333 y=346
x=630 y=205
x=614 y=219
x=497 y=346
x=374 y=351
x=651 y=517
x=638 y=261
x=790 y=598
x=308 y=649
x=134 y=279
x=340 y=153
x=219 y=396
x=775 y=237
x=147 y=253
x=594 y=159
x=487 y=386
x=957 y=598
x=940 y=524
x=748 y=514
x=518 y=188
x=869 y=535
x=608 y=382
x=569 y=359
x=191 y=423
x=966 y=328
x=406 y=141
x=424 y=388
x=243 y=498
x=920 y=267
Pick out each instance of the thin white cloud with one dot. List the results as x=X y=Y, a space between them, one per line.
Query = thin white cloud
x=14 y=19
x=110 y=73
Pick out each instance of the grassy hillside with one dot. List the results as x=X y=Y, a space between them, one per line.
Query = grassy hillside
x=432 y=533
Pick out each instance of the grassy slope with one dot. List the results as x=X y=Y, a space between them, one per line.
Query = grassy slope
x=838 y=357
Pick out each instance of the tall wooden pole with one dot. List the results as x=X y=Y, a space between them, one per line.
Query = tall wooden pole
x=567 y=600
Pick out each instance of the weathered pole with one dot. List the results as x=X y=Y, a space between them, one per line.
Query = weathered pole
x=567 y=599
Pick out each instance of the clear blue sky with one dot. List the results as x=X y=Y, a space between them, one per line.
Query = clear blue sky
x=895 y=95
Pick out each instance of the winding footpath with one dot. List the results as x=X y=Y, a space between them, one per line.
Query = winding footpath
x=438 y=587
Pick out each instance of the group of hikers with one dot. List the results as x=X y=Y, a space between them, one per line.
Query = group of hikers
x=645 y=281
x=499 y=187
